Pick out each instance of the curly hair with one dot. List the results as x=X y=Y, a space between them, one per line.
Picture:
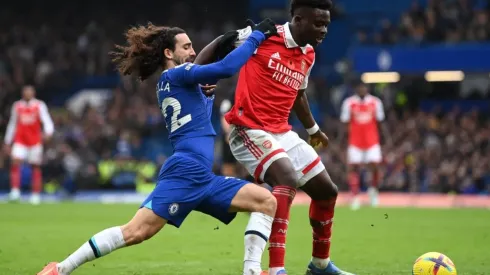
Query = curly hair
x=315 y=4
x=144 y=53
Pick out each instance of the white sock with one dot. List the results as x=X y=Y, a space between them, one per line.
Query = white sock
x=99 y=245
x=257 y=234
x=373 y=195
x=320 y=263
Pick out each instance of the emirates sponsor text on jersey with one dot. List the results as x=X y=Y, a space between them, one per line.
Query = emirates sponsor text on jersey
x=285 y=75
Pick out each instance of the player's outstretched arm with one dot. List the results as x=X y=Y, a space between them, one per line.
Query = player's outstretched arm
x=224 y=44
x=230 y=65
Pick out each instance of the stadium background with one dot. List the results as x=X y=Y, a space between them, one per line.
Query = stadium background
x=110 y=133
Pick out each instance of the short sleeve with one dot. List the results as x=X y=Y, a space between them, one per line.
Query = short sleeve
x=225 y=106
x=380 y=112
x=345 y=112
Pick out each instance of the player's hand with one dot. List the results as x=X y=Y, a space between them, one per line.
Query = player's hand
x=207 y=89
x=319 y=140
x=267 y=27
x=226 y=44
x=47 y=138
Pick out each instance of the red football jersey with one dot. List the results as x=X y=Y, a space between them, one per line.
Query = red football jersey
x=25 y=123
x=269 y=82
x=363 y=116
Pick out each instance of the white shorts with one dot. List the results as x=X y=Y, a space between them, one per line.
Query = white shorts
x=356 y=155
x=256 y=150
x=31 y=154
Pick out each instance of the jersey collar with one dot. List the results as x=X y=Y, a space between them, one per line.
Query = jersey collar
x=360 y=99
x=289 y=40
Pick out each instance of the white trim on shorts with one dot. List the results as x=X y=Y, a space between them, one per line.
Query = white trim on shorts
x=257 y=150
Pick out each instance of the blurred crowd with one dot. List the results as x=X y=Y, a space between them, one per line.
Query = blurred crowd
x=430 y=151
x=448 y=21
x=426 y=152
x=74 y=41
x=72 y=45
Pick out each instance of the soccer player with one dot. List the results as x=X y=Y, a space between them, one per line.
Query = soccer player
x=270 y=84
x=27 y=117
x=186 y=181
x=362 y=112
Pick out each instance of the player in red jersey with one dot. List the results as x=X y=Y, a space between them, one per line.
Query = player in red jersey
x=24 y=131
x=362 y=112
x=270 y=84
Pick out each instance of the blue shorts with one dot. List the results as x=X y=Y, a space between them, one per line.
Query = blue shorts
x=185 y=185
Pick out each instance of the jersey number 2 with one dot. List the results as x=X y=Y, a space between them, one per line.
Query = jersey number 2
x=175 y=123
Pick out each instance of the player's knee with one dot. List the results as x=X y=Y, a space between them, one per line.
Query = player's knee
x=322 y=188
x=16 y=161
x=334 y=190
x=281 y=172
x=290 y=179
x=285 y=178
x=268 y=205
x=331 y=190
x=353 y=168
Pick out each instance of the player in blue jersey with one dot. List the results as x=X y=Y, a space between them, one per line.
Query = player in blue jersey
x=186 y=181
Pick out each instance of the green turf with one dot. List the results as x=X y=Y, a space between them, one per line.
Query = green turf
x=364 y=242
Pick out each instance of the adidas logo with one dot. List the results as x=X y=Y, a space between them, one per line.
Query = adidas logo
x=276 y=56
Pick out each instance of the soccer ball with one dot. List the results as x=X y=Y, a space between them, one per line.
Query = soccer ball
x=433 y=263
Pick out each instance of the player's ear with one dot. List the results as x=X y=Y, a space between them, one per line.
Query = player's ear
x=168 y=53
x=297 y=19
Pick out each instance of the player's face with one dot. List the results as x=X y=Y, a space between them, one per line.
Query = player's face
x=183 y=49
x=313 y=25
x=28 y=92
x=362 y=90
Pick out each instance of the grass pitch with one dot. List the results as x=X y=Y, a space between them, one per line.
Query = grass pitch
x=366 y=242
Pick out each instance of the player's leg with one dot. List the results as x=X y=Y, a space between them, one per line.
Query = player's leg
x=231 y=195
x=143 y=226
x=374 y=158
x=323 y=193
x=34 y=158
x=264 y=158
x=354 y=160
x=18 y=155
x=171 y=201
x=282 y=177
x=314 y=180
x=262 y=206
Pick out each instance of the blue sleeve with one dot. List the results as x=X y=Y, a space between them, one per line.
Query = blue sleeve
x=190 y=73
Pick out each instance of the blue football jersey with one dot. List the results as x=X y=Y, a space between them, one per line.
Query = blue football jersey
x=187 y=113
x=187 y=110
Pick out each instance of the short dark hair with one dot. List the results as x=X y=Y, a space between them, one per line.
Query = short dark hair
x=143 y=54
x=315 y=4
